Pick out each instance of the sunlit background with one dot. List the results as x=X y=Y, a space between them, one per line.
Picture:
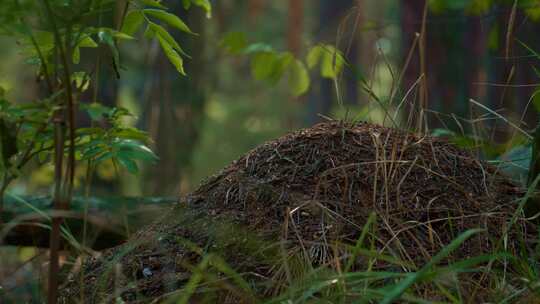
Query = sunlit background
x=201 y=122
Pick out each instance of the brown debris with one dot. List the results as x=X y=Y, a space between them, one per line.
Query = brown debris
x=314 y=189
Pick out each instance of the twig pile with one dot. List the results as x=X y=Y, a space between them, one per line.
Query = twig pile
x=314 y=189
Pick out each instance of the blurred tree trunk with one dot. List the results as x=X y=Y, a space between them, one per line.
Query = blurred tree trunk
x=255 y=7
x=512 y=70
x=452 y=48
x=295 y=28
x=528 y=32
x=175 y=107
x=322 y=94
x=295 y=24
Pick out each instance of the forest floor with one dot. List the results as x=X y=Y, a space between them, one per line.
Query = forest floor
x=337 y=198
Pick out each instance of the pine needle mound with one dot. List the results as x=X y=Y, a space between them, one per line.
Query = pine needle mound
x=312 y=192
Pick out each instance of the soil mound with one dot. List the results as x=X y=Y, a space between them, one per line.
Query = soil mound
x=312 y=192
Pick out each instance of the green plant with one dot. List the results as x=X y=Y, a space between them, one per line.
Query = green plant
x=51 y=34
x=270 y=65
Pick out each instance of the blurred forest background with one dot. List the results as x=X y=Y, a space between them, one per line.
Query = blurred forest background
x=467 y=62
x=479 y=49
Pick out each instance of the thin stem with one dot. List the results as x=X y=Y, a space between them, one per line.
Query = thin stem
x=63 y=190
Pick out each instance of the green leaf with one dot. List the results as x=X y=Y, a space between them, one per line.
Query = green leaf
x=128 y=163
x=84 y=41
x=93 y=151
x=96 y=110
x=262 y=65
x=87 y=41
x=283 y=61
x=313 y=56
x=186 y=4
x=478 y=7
x=76 y=57
x=154 y=3
x=234 y=42
x=89 y=131
x=158 y=30
x=130 y=133
x=204 y=4
x=298 y=78
x=136 y=150
x=173 y=56
x=103 y=157
x=44 y=40
x=106 y=37
x=330 y=59
x=270 y=66
x=169 y=18
x=332 y=63
x=132 y=22
x=81 y=80
x=257 y=48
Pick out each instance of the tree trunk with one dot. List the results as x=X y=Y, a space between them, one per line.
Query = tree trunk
x=451 y=49
x=176 y=106
x=295 y=24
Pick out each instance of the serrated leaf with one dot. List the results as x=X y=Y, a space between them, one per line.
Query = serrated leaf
x=169 y=18
x=132 y=22
x=298 y=78
x=173 y=56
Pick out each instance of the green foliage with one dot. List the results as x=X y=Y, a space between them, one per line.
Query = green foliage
x=25 y=133
x=329 y=58
x=136 y=17
x=123 y=145
x=60 y=32
x=271 y=66
x=234 y=42
x=204 y=4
